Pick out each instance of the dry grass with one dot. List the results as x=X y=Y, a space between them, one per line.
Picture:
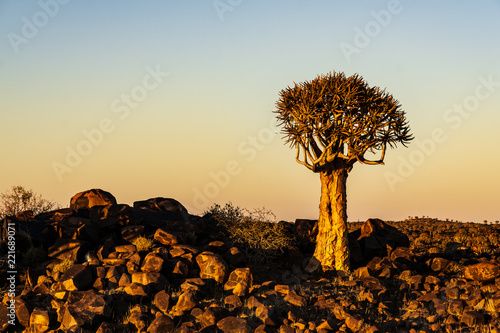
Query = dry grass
x=63 y=266
x=143 y=243
x=256 y=232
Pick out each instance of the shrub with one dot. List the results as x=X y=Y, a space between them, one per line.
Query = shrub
x=18 y=199
x=34 y=255
x=143 y=243
x=63 y=266
x=256 y=232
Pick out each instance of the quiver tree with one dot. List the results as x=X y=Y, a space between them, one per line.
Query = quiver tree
x=335 y=121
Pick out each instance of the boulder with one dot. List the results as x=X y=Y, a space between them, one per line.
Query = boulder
x=77 y=227
x=472 y=318
x=90 y=198
x=212 y=315
x=377 y=238
x=152 y=263
x=234 y=324
x=186 y=302
x=23 y=311
x=160 y=204
x=131 y=232
x=165 y=237
x=482 y=272
x=305 y=233
x=87 y=306
x=140 y=317
x=68 y=249
x=233 y=302
x=137 y=289
x=295 y=299
x=77 y=277
x=39 y=320
x=161 y=324
x=154 y=280
x=112 y=216
x=162 y=300
x=212 y=266
x=438 y=264
x=239 y=282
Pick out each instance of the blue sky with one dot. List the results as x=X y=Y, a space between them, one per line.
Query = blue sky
x=225 y=69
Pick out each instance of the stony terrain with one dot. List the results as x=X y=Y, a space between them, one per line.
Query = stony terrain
x=93 y=268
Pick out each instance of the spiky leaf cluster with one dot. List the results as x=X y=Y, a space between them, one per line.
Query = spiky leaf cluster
x=334 y=120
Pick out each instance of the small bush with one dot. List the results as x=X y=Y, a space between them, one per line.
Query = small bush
x=34 y=255
x=256 y=232
x=143 y=243
x=63 y=266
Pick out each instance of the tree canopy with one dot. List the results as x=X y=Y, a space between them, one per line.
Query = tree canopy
x=334 y=120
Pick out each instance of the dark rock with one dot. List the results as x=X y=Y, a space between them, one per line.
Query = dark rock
x=162 y=301
x=107 y=328
x=77 y=277
x=456 y=307
x=152 y=263
x=438 y=264
x=23 y=311
x=137 y=289
x=112 y=217
x=212 y=266
x=375 y=238
x=403 y=254
x=156 y=281
x=131 y=232
x=233 y=302
x=160 y=204
x=140 y=317
x=165 y=237
x=194 y=284
x=90 y=198
x=186 y=302
x=295 y=299
x=286 y=329
x=180 y=269
x=234 y=324
x=84 y=309
x=68 y=249
x=77 y=227
x=212 y=315
x=161 y=324
x=306 y=232
x=26 y=231
x=362 y=272
x=472 y=318
x=239 y=282
x=482 y=272
x=39 y=320
x=354 y=322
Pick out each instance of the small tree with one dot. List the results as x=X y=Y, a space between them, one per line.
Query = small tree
x=18 y=199
x=334 y=121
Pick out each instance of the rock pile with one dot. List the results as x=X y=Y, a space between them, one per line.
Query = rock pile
x=98 y=277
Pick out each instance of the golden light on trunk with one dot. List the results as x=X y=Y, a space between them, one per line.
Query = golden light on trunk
x=332 y=248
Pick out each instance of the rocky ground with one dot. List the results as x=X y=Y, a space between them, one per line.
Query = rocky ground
x=90 y=268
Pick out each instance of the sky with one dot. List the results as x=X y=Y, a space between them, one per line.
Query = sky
x=176 y=99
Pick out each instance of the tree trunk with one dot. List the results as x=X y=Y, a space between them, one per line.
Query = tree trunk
x=332 y=248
